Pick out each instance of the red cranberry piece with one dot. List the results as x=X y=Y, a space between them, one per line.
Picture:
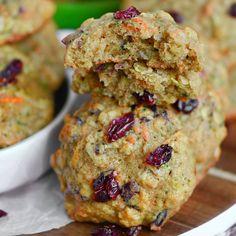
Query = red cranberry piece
x=112 y=188
x=129 y=190
x=106 y=188
x=129 y=13
x=100 y=182
x=160 y=156
x=106 y=231
x=147 y=99
x=119 y=127
x=160 y=218
x=186 y=106
x=2 y=213
x=9 y=73
x=133 y=231
x=179 y=19
x=232 y=10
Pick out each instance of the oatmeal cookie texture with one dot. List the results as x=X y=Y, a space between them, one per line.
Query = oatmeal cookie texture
x=152 y=168
x=20 y=18
x=26 y=105
x=133 y=155
x=143 y=53
x=214 y=20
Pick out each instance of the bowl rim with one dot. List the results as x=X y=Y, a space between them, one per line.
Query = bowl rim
x=56 y=120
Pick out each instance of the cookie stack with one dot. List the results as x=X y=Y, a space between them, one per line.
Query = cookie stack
x=214 y=21
x=135 y=152
x=30 y=68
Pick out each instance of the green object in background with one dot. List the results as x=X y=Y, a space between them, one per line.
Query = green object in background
x=71 y=15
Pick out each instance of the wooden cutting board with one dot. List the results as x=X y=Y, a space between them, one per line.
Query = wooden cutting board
x=214 y=195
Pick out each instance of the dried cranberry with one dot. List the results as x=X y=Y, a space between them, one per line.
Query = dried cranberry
x=106 y=231
x=160 y=218
x=106 y=187
x=131 y=12
x=133 y=231
x=179 y=19
x=147 y=99
x=119 y=127
x=9 y=73
x=129 y=190
x=186 y=106
x=99 y=183
x=232 y=10
x=2 y=213
x=160 y=156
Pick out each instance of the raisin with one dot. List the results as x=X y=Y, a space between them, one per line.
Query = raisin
x=129 y=13
x=2 y=213
x=129 y=190
x=106 y=187
x=97 y=149
x=99 y=68
x=106 y=231
x=147 y=99
x=9 y=73
x=186 y=106
x=133 y=231
x=232 y=10
x=160 y=156
x=160 y=218
x=144 y=120
x=154 y=110
x=119 y=127
x=79 y=121
x=179 y=19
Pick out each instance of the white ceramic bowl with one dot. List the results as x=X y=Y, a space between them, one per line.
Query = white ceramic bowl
x=26 y=161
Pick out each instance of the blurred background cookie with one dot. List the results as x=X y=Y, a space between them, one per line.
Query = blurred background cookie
x=26 y=105
x=20 y=18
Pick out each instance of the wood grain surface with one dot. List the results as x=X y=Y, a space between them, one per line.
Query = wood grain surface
x=211 y=197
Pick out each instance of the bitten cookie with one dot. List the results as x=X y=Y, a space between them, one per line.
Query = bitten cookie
x=20 y=18
x=214 y=20
x=128 y=55
x=136 y=165
x=26 y=105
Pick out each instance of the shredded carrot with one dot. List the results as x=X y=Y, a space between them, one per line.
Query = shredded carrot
x=208 y=9
x=131 y=139
x=5 y=100
x=145 y=133
x=232 y=67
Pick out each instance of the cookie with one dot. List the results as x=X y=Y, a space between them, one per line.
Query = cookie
x=213 y=20
x=46 y=53
x=26 y=105
x=131 y=55
x=21 y=18
x=136 y=165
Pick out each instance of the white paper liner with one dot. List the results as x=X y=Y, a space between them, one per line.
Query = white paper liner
x=32 y=209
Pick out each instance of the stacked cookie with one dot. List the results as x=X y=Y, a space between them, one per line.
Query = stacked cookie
x=30 y=68
x=135 y=152
x=214 y=20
